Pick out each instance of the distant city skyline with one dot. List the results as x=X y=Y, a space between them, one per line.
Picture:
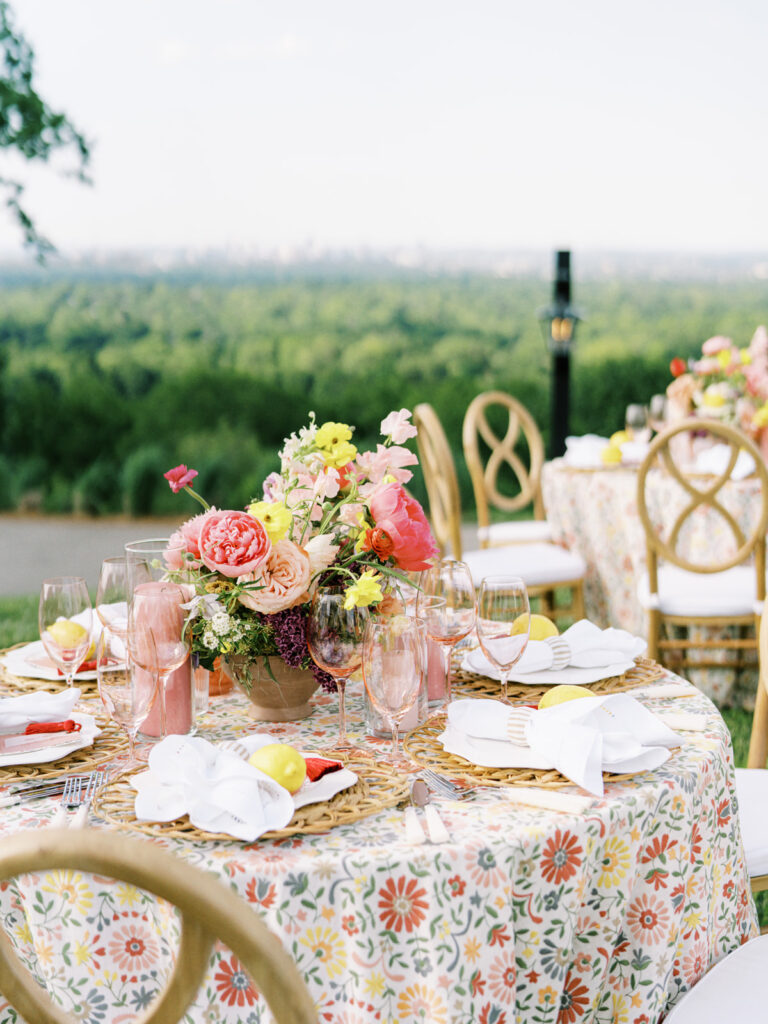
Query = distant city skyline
x=443 y=126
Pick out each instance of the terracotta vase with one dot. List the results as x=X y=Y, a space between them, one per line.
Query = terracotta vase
x=278 y=693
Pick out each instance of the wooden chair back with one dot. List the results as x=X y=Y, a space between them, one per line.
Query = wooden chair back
x=209 y=910
x=758 y=739
x=440 y=479
x=703 y=491
x=484 y=469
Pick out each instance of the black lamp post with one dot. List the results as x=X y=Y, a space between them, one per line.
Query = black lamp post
x=558 y=325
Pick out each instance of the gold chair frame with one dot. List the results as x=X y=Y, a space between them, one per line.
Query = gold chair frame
x=751 y=546
x=485 y=476
x=442 y=488
x=209 y=911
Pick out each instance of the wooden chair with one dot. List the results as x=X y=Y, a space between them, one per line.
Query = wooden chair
x=490 y=456
x=683 y=592
x=209 y=911
x=544 y=567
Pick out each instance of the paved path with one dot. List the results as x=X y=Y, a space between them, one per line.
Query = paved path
x=35 y=547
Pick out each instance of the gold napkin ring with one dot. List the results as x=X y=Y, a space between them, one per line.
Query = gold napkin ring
x=516 y=725
x=561 y=652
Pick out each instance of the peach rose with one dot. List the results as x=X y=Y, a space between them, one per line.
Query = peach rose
x=188 y=537
x=285 y=578
x=233 y=543
x=402 y=518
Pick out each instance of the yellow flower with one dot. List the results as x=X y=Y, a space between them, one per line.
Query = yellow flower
x=471 y=950
x=367 y=590
x=128 y=894
x=275 y=517
x=547 y=996
x=374 y=984
x=760 y=419
x=332 y=434
x=724 y=357
x=713 y=399
x=70 y=887
x=614 y=863
x=339 y=455
x=326 y=946
x=746 y=356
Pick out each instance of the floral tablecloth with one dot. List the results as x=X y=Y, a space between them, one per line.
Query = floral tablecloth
x=595 y=513
x=525 y=916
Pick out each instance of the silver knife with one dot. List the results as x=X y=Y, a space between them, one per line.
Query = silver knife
x=26 y=743
x=14 y=799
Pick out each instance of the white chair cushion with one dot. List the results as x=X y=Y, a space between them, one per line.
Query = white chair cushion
x=752 y=793
x=536 y=563
x=733 y=990
x=699 y=593
x=523 y=531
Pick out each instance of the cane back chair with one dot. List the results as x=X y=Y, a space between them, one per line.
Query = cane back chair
x=501 y=479
x=679 y=591
x=209 y=910
x=545 y=568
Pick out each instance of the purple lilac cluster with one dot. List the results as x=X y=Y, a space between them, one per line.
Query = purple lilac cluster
x=289 y=629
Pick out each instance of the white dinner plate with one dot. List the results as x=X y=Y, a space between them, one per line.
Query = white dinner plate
x=85 y=738
x=475 y=661
x=32 y=662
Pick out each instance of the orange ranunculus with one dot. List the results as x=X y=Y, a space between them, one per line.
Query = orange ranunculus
x=378 y=541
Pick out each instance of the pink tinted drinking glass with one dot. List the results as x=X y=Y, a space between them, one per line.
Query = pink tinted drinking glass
x=447 y=605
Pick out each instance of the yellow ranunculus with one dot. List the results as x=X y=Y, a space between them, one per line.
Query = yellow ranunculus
x=275 y=517
x=746 y=356
x=760 y=419
x=724 y=357
x=340 y=454
x=332 y=434
x=367 y=590
x=713 y=399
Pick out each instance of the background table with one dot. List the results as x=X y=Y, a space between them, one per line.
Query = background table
x=595 y=513
x=524 y=916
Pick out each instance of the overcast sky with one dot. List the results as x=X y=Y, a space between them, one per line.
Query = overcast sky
x=482 y=123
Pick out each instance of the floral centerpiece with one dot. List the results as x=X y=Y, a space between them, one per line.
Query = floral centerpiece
x=331 y=515
x=728 y=383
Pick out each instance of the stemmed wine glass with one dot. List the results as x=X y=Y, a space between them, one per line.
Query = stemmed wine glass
x=502 y=600
x=636 y=422
x=334 y=639
x=394 y=663
x=126 y=667
x=65 y=641
x=158 y=607
x=447 y=604
x=117 y=580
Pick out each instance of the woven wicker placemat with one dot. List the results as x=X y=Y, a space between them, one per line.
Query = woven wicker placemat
x=469 y=684
x=11 y=685
x=109 y=745
x=423 y=746
x=378 y=786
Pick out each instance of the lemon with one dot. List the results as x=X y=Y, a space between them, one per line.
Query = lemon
x=541 y=626
x=282 y=763
x=620 y=437
x=67 y=634
x=610 y=454
x=560 y=694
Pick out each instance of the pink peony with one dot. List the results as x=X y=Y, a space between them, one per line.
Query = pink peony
x=714 y=345
x=285 y=578
x=180 y=477
x=187 y=537
x=402 y=518
x=233 y=543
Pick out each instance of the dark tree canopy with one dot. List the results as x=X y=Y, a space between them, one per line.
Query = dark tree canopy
x=29 y=126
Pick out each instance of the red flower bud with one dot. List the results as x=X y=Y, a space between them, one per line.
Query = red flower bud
x=677 y=367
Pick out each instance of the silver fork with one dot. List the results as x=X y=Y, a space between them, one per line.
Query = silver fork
x=78 y=792
x=444 y=786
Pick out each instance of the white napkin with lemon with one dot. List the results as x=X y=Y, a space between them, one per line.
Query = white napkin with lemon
x=588 y=646
x=580 y=738
x=219 y=791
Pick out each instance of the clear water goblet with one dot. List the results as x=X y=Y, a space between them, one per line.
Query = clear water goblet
x=447 y=604
x=128 y=680
x=501 y=601
x=65 y=640
x=118 y=578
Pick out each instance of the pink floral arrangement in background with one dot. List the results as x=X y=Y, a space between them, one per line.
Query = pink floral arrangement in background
x=727 y=382
x=331 y=514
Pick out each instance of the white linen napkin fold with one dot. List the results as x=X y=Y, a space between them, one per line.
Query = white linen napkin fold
x=580 y=738
x=590 y=647
x=715 y=460
x=584 y=452
x=16 y=713
x=218 y=790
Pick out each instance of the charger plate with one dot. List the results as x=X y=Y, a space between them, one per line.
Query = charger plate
x=423 y=746
x=11 y=685
x=378 y=787
x=469 y=684
x=111 y=744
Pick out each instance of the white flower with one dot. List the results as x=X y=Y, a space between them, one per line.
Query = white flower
x=321 y=551
x=210 y=640
x=205 y=605
x=220 y=623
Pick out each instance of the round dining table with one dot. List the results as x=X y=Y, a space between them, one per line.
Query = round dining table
x=594 y=512
x=522 y=915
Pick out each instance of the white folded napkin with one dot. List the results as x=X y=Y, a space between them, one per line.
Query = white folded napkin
x=715 y=460
x=16 y=713
x=580 y=738
x=590 y=647
x=218 y=790
x=84 y=737
x=585 y=452
x=633 y=452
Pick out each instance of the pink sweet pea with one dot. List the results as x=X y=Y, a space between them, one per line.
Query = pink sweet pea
x=233 y=543
x=397 y=427
x=180 y=477
x=714 y=345
x=402 y=518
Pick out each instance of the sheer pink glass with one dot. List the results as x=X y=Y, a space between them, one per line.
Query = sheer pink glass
x=122 y=689
x=447 y=605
